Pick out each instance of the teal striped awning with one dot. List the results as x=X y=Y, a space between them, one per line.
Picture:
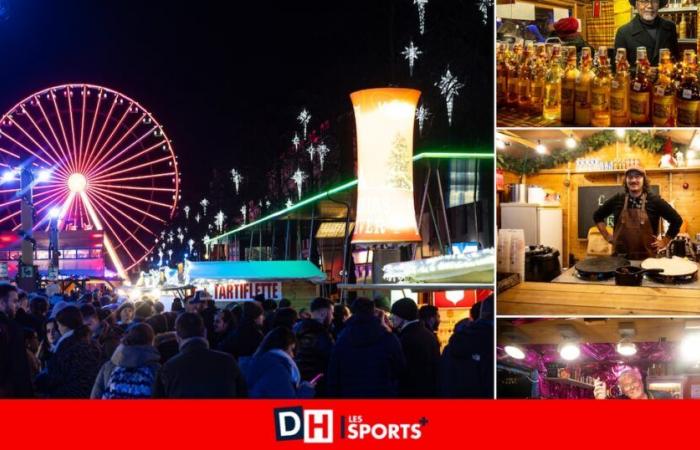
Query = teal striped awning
x=253 y=270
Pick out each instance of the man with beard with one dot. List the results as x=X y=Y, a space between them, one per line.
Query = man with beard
x=631 y=384
x=648 y=30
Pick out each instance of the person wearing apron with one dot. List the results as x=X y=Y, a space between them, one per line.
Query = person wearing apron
x=637 y=214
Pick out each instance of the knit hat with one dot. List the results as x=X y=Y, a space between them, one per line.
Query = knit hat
x=662 y=3
x=405 y=309
x=60 y=306
x=251 y=310
x=567 y=25
x=382 y=303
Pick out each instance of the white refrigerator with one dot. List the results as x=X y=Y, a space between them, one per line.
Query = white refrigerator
x=543 y=225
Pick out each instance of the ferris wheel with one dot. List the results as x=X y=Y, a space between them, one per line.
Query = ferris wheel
x=105 y=162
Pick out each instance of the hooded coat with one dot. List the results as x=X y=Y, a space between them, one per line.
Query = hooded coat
x=367 y=361
x=129 y=373
x=271 y=375
x=466 y=365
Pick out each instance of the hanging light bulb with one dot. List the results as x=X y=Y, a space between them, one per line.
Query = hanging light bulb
x=569 y=351
x=620 y=133
x=626 y=347
x=514 y=351
x=571 y=142
x=540 y=148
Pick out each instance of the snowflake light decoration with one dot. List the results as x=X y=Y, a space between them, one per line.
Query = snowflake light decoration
x=244 y=211
x=420 y=4
x=311 y=150
x=322 y=150
x=160 y=257
x=449 y=88
x=237 y=178
x=304 y=118
x=187 y=212
x=197 y=217
x=180 y=237
x=170 y=253
x=422 y=114
x=267 y=204
x=484 y=7
x=288 y=204
x=296 y=141
x=190 y=243
x=171 y=235
x=298 y=178
x=411 y=54
x=204 y=204
x=219 y=220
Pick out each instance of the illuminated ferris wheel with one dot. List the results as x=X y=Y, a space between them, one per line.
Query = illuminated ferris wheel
x=105 y=161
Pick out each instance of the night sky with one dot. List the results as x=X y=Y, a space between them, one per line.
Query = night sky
x=228 y=82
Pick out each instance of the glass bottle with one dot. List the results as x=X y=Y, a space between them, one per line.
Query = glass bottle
x=619 y=91
x=552 y=86
x=582 y=94
x=513 y=65
x=525 y=75
x=600 y=91
x=640 y=91
x=663 y=108
x=539 y=71
x=568 y=86
x=688 y=93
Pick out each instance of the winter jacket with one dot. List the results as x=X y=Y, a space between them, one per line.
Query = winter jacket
x=197 y=372
x=130 y=373
x=634 y=34
x=108 y=338
x=466 y=365
x=72 y=370
x=366 y=362
x=422 y=351
x=15 y=377
x=242 y=340
x=167 y=346
x=314 y=346
x=272 y=375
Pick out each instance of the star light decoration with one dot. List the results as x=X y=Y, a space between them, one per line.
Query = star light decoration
x=484 y=7
x=170 y=253
x=411 y=54
x=288 y=203
x=160 y=257
x=244 y=211
x=204 y=204
x=219 y=220
x=298 y=178
x=296 y=141
x=304 y=118
x=420 y=4
x=197 y=218
x=190 y=243
x=180 y=237
x=449 y=88
x=322 y=151
x=171 y=235
x=311 y=150
x=187 y=212
x=422 y=114
x=268 y=204
x=237 y=178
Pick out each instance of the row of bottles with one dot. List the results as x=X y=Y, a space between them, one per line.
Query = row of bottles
x=686 y=23
x=595 y=164
x=545 y=80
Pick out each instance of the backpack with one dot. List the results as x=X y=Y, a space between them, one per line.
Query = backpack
x=130 y=383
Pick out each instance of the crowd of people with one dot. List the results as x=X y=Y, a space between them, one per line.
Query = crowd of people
x=95 y=345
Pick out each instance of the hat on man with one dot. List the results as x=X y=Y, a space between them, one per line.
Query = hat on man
x=405 y=309
x=382 y=303
x=662 y=3
x=60 y=306
x=565 y=26
x=636 y=168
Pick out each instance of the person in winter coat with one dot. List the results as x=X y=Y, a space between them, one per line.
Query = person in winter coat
x=466 y=365
x=421 y=348
x=45 y=347
x=341 y=313
x=244 y=340
x=124 y=315
x=367 y=359
x=131 y=371
x=165 y=341
x=197 y=371
x=315 y=343
x=273 y=373
x=101 y=332
x=76 y=360
x=15 y=377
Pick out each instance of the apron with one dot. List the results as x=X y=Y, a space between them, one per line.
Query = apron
x=633 y=235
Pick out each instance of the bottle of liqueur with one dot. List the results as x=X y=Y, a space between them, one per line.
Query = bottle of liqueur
x=501 y=74
x=582 y=94
x=513 y=65
x=663 y=108
x=619 y=91
x=568 y=86
x=539 y=71
x=640 y=91
x=688 y=93
x=600 y=91
x=552 y=86
x=525 y=75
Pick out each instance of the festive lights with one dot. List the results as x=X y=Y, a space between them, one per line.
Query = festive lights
x=237 y=178
x=298 y=177
x=411 y=54
x=304 y=117
x=422 y=114
x=449 y=88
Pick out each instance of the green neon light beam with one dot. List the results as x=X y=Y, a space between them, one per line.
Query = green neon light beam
x=348 y=185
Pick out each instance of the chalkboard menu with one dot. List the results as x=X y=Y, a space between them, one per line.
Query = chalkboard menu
x=590 y=198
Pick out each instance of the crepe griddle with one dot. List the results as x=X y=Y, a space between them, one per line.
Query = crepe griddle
x=599 y=268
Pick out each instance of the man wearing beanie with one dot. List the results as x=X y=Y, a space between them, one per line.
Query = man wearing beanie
x=244 y=340
x=566 y=29
x=421 y=349
x=648 y=30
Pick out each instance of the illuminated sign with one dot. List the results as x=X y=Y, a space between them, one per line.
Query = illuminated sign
x=384 y=119
x=235 y=291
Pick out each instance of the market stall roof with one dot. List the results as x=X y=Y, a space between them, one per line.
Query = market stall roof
x=254 y=270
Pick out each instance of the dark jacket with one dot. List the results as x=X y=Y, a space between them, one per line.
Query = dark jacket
x=575 y=40
x=197 y=372
x=15 y=377
x=269 y=375
x=634 y=34
x=72 y=370
x=366 y=362
x=108 y=338
x=466 y=365
x=314 y=346
x=422 y=351
x=167 y=346
x=242 y=340
x=139 y=365
x=656 y=208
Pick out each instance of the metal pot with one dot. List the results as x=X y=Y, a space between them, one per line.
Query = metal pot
x=632 y=276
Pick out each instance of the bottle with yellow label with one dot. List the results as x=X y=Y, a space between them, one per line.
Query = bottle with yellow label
x=688 y=92
x=619 y=91
x=600 y=90
x=682 y=28
x=539 y=71
x=525 y=75
x=501 y=74
x=582 y=90
x=568 y=86
x=513 y=63
x=663 y=106
x=640 y=91
x=552 y=86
